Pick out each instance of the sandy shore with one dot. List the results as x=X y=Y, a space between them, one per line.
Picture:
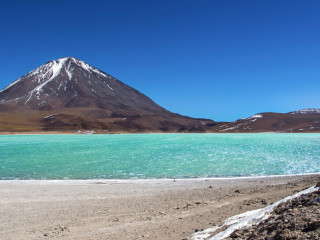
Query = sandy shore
x=38 y=133
x=142 y=209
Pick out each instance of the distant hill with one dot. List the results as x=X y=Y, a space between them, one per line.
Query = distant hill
x=305 y=120
x=70 y=95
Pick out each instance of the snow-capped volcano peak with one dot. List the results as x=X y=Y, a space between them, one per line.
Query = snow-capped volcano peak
x=54 y=67
x=69 y=82
x=54 y=78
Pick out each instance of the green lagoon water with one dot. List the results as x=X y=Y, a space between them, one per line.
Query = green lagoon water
x=141 y=156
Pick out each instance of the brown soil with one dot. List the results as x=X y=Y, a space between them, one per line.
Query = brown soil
x=142 y=209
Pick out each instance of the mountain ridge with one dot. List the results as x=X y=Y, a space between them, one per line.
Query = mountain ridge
x=303 y=120
x=70 y=95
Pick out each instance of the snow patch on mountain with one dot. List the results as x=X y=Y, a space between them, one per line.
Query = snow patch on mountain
x=306 y=111
x=255 y=116
x=229 y=128
x=51 y=115
x=110 y=87
x=47 y=77
x=69 y=70
x=88 y=67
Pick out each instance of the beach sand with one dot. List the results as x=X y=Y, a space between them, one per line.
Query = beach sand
x=139 y=209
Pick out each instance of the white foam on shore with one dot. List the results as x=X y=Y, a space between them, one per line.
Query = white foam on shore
x=203 y=235
x=150 y=180
x=246 y=219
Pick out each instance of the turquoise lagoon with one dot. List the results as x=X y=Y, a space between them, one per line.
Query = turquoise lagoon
x=144 y=156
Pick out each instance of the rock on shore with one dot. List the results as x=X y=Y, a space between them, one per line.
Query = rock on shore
x=298 y=218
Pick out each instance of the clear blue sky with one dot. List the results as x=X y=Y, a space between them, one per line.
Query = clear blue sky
x=203 y=58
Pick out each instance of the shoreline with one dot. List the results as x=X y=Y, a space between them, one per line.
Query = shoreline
x=148 y=180
x=120 y=133
x=165 y=209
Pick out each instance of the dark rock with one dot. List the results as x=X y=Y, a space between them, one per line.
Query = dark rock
x=271 y=237
x=311 y=226
x=234 y=235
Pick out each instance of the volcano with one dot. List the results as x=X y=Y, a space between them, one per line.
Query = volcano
x=69 y=94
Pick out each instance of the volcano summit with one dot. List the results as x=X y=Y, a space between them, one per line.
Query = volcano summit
x=68 y=94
